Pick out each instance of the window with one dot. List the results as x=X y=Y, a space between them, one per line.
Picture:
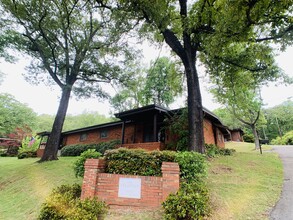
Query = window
x=103 y=134
x=83 y=137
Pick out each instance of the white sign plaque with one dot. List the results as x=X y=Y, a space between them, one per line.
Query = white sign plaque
x=130 y=188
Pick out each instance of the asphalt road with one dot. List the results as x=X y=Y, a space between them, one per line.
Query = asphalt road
x=284 y=208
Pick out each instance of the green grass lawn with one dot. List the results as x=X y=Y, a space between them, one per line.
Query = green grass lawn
x=246 y=185
x=24 y=184
x=243 y=186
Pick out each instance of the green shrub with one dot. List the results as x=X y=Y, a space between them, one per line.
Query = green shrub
x=227 y=151
x=3 y=154
x=212 y=150
x=248 y=138
x=190 y=202
x=287 y=139
x=26 y=154
x=64 y=203
x=137 y=161
x=29 y=147
x=193 y=165
x=79 y=163
x=76 y=150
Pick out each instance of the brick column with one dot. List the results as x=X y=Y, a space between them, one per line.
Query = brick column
x=171 y=177
x=91 y=169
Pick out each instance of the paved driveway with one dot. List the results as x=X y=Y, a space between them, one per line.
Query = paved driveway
x=284 y=208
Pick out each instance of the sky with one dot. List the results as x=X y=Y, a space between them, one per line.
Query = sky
x=45 y=100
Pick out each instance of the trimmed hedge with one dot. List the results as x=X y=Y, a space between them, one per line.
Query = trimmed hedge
x=79 y=164
x=64 y=203
x=137 y=161
x=76 y=150
x=144 y=163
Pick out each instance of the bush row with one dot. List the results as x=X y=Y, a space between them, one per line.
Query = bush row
x=137 y=161
x=64 y=203
x=143 y=163
x=76 y=150
x=212 y=151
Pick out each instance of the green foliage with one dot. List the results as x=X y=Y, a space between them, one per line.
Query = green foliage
x=231 y=36
x=193 y=166
x=163 y=82
x=29 y=147
x=26 y=154
x=190 y=202
x=228 y=118
x=76 y=150
x=137 y=161
x=280 y=119
x=79 y=163
x=248 y=138
x=158 y=84
x=84 y=120
x=64 y=203
x=14 y=114
x=178 y=126
x=212 y=151
x=287 y=139
x=74 y=45
x=30 y=144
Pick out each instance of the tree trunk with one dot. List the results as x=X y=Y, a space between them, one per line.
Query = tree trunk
x=53 y=143
x=256 y=138
x=195 y=111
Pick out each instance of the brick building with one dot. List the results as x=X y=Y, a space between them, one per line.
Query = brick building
x=143 y=128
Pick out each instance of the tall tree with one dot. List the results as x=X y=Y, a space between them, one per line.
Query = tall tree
x=280 y=119
x=160 y=84
x=14 y=114
x=206 y=26
x=76 y=44
x=238 y=72
x=130 y=95
x=163 y=82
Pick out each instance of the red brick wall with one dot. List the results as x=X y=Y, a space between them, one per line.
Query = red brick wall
x=154 y=190
x=93 y=136
x=114 y=133
x=208 y=132
x=220 y=139
x=236 y=136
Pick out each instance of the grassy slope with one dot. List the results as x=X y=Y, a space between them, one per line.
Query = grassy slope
x=245 y=186
x=24 y=185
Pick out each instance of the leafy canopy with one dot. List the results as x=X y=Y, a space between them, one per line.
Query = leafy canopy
x=14 y=114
